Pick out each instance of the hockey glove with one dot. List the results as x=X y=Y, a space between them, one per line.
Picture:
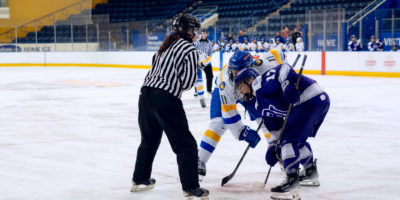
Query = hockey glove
x=270 y=156
x=250 y=136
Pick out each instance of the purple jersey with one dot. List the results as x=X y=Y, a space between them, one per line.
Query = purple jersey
x=275 y=90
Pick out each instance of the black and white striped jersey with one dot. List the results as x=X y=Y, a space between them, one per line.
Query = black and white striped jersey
x=175 y=70
x=204 y=46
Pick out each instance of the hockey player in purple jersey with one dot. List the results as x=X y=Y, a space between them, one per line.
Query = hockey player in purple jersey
x=354 y=44
x=275 y=90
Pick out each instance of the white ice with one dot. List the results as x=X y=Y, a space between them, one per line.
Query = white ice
x=72 y=133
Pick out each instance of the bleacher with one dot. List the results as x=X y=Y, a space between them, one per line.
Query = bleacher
x=297 y=12
x=136 y=10
x=234 y=15
x=118 y=11
x=63 y=34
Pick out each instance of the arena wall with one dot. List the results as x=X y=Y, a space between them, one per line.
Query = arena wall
x=375 y=64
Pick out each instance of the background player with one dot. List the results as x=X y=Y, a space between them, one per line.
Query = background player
x=354 y=44
x=374 y=45
x=205 y=49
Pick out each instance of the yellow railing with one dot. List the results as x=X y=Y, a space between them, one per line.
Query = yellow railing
x=8 y=34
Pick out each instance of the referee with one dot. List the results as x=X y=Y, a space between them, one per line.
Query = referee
x=174 y=70
x=205 y=49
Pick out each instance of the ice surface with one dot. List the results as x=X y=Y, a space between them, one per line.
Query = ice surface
x=72 y=133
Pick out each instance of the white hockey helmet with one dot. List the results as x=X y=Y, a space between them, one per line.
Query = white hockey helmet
x=269 y=60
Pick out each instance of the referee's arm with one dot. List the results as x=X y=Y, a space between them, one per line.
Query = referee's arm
x=189 y=71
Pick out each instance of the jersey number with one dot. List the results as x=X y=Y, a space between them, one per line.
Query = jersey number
x=270 y=75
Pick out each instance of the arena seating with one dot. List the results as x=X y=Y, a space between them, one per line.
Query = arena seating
x=296 y=13
x=136 y=10
x=118 y=11
x=234 y=15
x=240 y=14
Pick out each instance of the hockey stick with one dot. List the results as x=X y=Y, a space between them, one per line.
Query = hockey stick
x=295 y=61
x=227 y=178
x=258 y=185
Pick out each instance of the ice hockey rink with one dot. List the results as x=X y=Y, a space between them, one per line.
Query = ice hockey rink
x=72 y=133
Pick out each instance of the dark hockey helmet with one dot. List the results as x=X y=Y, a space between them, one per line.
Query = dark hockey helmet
x=185 y=23
x=244 y=76
x=204 y=30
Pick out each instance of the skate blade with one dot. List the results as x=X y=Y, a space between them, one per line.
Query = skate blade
x=201 y=198
x=141 y=188
x=310 y=183
x=283 y=197
x=292 y=195
x=191 y=197
x=194 y=197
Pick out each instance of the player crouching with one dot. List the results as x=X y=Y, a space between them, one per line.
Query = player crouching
x=275 y=90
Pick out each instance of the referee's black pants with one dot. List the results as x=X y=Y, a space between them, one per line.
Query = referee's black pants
x=209 y=76
x=161 y=111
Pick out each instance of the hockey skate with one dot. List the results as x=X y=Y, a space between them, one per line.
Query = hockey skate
x=143 y=185
x=203 y=103
x=202 y=170
x=288 y=189
x=198 y=192
x=309 y=177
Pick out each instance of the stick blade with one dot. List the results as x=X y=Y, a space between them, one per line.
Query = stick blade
x=226 y=179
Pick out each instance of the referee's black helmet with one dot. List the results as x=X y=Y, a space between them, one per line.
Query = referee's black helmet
x=184 y=23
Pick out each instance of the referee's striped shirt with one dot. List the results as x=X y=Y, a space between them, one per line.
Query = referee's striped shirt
x=204 y=46
x=175 y=70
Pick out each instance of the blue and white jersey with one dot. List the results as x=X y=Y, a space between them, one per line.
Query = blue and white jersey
x=230 y=114
x=299 y=46
x=267 y=46
x=275 y=91
x=253 y=47
x=288 y=47
x=215 y=48
x=235 y=47
x=278 y=46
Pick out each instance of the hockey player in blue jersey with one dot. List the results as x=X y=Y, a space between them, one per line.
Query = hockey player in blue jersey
x=223 y=112
x=275 y=90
